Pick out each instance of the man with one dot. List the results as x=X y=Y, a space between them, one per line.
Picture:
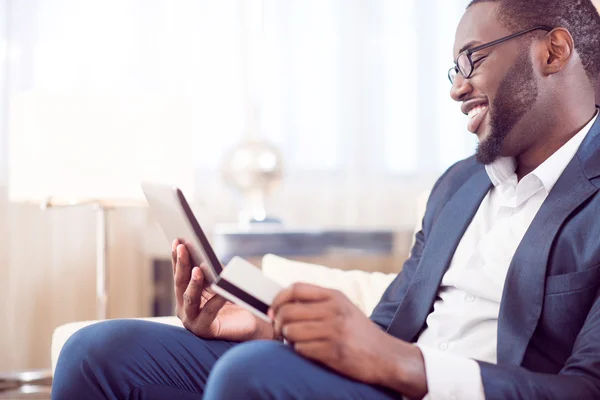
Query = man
x=500 y=297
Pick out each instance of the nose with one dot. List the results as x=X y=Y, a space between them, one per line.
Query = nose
x=460 y=88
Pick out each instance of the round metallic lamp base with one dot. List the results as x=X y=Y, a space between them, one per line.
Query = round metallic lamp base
x=35 y=384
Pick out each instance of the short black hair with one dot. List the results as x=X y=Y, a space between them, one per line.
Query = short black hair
x=580 y=17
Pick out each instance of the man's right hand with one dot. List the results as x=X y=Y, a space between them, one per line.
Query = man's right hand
x=207 y=314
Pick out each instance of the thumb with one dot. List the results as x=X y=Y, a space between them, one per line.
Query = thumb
x=211 y=309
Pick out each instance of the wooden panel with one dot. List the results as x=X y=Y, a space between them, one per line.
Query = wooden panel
x=5 y=301
x=48 y=276
x=369 y=263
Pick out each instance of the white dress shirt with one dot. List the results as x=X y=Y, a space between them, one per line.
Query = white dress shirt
x=463 y=325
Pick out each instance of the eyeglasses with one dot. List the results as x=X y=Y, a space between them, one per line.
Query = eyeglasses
x=464 y=62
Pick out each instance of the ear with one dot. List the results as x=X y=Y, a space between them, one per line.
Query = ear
x=556 y=51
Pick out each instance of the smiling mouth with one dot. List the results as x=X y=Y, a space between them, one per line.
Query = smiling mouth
x=476 y=117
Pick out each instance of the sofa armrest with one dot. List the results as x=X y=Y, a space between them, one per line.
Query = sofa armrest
x=64 y=332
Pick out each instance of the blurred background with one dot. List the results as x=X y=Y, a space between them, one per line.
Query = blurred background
x=342 y=105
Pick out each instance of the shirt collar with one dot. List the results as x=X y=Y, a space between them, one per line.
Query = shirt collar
x=547 y=172
x=501 y=169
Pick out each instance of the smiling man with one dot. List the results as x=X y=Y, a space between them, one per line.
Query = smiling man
x=500 y=298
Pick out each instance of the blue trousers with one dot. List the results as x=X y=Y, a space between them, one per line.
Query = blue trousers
x=129 y=359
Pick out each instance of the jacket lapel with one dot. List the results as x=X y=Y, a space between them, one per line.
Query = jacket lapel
x=523 y=295
x=447 y=231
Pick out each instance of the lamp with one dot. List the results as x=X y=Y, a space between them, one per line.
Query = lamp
x=68 y=149
x=254 y=166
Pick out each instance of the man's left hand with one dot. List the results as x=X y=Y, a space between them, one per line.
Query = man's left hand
x=323 y=325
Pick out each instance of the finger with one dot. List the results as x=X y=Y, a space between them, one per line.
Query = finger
x=300 y=292
x=174 y=254
x=183 y=271
x=298 y=312
x=211 y=308
x=306 y=331
x=276 y=330
x=192 y=296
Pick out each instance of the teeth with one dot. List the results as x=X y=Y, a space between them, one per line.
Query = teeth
x=476 y=110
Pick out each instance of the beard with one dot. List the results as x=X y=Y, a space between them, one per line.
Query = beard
x=516 y=95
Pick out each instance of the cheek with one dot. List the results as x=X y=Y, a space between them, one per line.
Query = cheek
x=487 y=80
x=486 y=87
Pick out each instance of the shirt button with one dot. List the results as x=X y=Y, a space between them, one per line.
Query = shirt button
x=470 y=298
x=443 y=346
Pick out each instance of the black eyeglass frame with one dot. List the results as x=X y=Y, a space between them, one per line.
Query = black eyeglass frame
x=469 y=52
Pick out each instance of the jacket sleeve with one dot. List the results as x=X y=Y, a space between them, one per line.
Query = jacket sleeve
x=578 y=379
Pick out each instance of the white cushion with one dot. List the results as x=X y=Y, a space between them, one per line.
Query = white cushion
x=363 y=288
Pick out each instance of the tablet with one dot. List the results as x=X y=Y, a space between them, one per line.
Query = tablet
x=174 y=215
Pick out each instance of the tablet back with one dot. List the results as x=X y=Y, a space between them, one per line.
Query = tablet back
x=173 y=213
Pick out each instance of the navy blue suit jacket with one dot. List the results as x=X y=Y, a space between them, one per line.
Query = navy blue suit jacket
x=549 y=321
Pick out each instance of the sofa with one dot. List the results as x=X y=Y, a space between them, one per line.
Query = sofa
x=364 y=289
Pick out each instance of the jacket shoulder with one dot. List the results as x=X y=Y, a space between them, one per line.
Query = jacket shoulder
x=446 y=186
x=455 y=177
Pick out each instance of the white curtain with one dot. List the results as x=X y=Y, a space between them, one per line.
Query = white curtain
x=354 y=92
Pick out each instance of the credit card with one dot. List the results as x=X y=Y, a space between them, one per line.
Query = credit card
x=244 y=284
